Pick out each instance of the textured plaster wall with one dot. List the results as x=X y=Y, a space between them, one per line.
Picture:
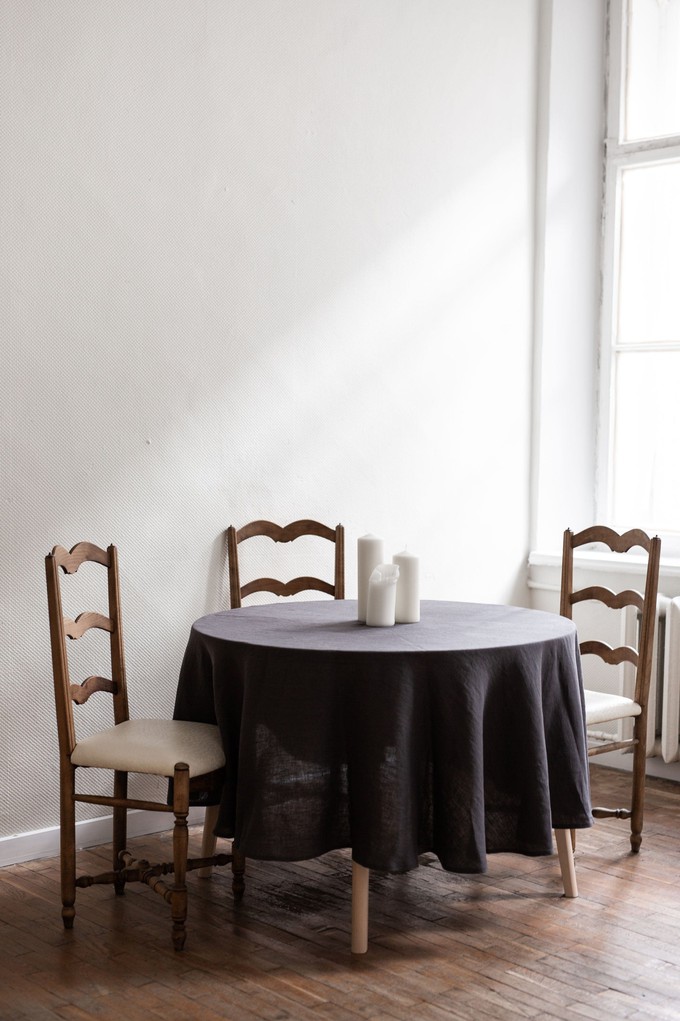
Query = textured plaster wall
x=257 y=258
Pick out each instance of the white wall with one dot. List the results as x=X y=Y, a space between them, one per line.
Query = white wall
x=568 y=260
x=258 y=258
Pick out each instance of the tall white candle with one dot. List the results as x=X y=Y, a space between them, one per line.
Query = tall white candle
x=370 y=553
x=407 y=609
x=382 y=595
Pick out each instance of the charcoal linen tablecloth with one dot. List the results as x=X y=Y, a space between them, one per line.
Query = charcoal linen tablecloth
x=462 y=734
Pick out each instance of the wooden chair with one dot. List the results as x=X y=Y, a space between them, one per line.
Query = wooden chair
x=238 y=592
x=189 y=754
x=603 y=708
x=295 y=530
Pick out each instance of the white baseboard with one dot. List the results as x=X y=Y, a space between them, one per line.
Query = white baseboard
x=89 y=833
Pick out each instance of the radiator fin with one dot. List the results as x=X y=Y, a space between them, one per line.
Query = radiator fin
x=670 y=695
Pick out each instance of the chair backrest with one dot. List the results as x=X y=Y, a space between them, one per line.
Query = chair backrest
x=641 y=656
x=63 y=628
x=289 y=533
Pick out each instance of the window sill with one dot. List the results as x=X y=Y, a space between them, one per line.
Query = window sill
x=610 y=562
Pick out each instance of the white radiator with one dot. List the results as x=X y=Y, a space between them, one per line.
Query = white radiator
x=663 y=719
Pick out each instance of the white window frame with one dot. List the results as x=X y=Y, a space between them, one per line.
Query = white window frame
x=618 y=156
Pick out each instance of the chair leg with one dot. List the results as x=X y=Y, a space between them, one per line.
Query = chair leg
x=119 y=829
x=180 y=845
x=67 y=839
x=238 y=871
x=209 y=842
x=566 y=858
x=639 y=772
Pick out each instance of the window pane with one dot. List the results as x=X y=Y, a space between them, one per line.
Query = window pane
x=649 y=269
x=652 y=101
x=646 y=490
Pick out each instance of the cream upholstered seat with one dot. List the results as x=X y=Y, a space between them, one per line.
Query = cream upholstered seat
x=188 y=754
x=153 y=746
x=604 y=708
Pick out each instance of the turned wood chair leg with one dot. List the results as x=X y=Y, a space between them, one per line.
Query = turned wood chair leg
x=638 y=793
x=120 y=784
x=566 y=859
x=209 y=841
x=67 y=838
x=180 y=846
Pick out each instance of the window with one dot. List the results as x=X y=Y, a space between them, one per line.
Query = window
x=639 y=454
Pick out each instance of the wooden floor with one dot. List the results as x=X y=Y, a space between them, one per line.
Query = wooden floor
x=441 y=946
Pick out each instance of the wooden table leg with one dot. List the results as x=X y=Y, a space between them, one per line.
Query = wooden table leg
x=359 y=908
x=566 y=856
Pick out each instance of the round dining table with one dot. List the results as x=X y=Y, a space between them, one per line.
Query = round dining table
x=462 y=734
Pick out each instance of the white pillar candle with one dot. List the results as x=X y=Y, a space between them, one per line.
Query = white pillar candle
x=370 y=553
x=382 y=595
x=407 y=609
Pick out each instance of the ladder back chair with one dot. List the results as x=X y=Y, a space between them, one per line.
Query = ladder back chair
x=238 y=592
x=190 y=755
x=604 y=708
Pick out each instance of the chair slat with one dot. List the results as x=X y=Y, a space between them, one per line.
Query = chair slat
x=71 y=560
x=614 y=600
x=287 y=588
x=622 y=654
x=285 y=533
x=618 y=543
x=84 y=621
x=81 y=692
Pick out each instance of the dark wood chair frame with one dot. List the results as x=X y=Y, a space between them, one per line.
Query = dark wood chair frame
x=124 y=866
x=287 y=533
x=238 y=592
x=640 y=657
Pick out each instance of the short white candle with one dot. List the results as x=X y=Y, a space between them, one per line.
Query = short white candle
x=408 y=588
x=370 y=553
x=382 y=595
